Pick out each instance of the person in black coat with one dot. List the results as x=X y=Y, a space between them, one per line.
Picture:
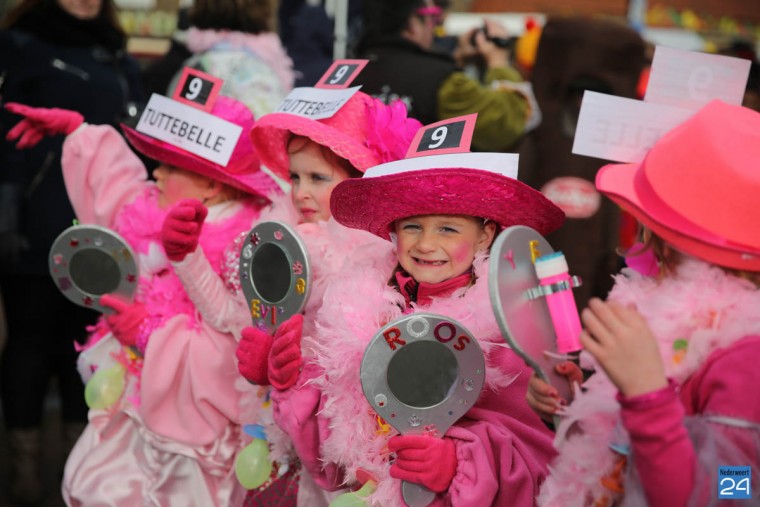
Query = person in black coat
x=53 y=53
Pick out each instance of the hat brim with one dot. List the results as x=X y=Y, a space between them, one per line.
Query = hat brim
x=272 y=132
x=257 y=183
x=628 y=187
x=374 y=204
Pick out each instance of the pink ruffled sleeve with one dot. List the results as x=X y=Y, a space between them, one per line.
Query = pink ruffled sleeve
x=713 y=407
x=502 y=447
x=295 y=412
x=101 y=172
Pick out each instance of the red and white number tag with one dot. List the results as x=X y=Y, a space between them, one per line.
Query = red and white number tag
x=448 y=136
x=198 y=89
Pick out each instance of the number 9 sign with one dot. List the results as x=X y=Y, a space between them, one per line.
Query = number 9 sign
x=341 y=73
x=448 y=136
x=198 y=89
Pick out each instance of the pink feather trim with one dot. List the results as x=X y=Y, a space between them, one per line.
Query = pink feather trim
x=389 y=130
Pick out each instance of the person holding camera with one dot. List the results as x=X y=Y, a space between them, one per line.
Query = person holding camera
x=398 y=40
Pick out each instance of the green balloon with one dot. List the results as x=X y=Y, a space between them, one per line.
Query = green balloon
x=252 y=465
x=355 y=498
x=105 y=387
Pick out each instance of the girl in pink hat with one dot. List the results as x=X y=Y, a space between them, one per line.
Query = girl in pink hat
x=315 y=156
x=671 y=406
x=438 y=216
x=172 y=437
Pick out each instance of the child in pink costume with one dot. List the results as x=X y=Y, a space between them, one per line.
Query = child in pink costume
x=316 y=155
x=676 y=350
x=173 y=436
x=497 y=453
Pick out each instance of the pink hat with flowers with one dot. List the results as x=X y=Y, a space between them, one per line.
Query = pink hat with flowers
x=475 y=184
x=698 y=186
x=243 y=171
x=364 y=131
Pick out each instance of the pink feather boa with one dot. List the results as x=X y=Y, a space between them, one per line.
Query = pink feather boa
x=702 y=305
x=159 y=288
x=356 y=304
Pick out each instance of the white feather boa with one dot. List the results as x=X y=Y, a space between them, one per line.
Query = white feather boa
x=701 y=305
x=357 y=303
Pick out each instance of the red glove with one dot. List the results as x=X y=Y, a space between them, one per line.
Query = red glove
x=125 y=323
x=425 y=460
x=285 y=359
x=182 y=227
x=40 y=122
x=253 y=355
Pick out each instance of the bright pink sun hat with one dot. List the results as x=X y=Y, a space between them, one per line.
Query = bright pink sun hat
x=475 y=184
x=364 y=131
x=243 y=171
x=698 y=188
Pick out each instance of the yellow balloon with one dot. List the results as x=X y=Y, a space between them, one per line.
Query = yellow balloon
x=105 y=387
x=355 y=498
x=252 y=465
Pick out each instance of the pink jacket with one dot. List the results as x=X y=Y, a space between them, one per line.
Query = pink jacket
x=678 y=436
x=186 y=386
x=501 y=445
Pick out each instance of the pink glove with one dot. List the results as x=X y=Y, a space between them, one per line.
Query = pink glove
x=182 y=228
x=285 y=359
x=40 y=122
x=425 y=460
x=125 y=323
x=253 y=355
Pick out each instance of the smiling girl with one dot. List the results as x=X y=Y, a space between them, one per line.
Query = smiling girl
x=497 y=453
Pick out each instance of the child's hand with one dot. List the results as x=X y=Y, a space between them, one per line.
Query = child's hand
x=425 y=460
x=285 y=359
x=182 y=228
x=253 y=355
x=544 y=398
x=40 y=122
x=125 y=322
x=620 y=339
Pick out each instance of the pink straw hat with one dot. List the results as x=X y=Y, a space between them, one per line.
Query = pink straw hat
x=699 y=186
x=243 y=170
x=474 y=184
x=363 y=131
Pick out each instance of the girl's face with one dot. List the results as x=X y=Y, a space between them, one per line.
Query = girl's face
x=81 y=9
x=435 y=248
x=312 y=180
x=175 y=184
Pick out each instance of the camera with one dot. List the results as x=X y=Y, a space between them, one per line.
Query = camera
x=502 y=42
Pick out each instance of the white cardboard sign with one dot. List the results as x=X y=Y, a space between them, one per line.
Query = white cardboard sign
x=316 y=103
x=690 y=80
x=189 y=128
x=620 y=129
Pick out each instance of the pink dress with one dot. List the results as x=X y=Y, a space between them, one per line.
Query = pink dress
x=173 y=436
x=708 y=326
x=501 y=446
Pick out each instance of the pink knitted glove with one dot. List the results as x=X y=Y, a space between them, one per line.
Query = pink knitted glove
x=425 y=460
x=285 y=359
x=182 y=228
x=125 y=323
x=40 y=122
x=253 y=355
